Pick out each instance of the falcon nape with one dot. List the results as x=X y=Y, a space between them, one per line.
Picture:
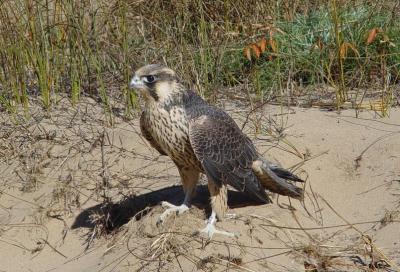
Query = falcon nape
x=201 y=138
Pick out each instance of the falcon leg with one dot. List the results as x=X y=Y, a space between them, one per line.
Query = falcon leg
x=219 y=205
x=189 y=178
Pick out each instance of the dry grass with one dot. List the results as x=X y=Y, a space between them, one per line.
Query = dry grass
x=70 y=56
x=49 y=47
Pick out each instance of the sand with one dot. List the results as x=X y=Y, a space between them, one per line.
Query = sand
x=77 y=194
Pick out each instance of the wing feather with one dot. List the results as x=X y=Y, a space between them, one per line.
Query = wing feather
x=225 y=153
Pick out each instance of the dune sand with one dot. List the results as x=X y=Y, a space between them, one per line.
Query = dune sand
x=79 y=195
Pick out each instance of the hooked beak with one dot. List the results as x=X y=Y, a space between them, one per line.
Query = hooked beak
x=136 y=83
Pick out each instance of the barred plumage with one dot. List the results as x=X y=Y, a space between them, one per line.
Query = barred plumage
x=199 y=137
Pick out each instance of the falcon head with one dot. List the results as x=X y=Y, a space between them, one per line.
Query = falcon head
x=156 y=82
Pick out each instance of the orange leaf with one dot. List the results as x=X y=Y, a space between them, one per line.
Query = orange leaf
x=247 y=53
x=343 y=51
x=262 y=44
x=353 y=48
x=345 y=47
x=273 y=45
x=372 y=35
x=256 y=50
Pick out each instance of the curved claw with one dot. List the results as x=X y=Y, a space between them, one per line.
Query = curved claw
x=166 y=204
x=210 y=230
x=231 y=216
x=170 y=209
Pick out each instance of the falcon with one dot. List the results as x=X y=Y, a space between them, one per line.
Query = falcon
x=201 y=138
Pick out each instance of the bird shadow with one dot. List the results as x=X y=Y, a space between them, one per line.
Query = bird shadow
x=118 y=214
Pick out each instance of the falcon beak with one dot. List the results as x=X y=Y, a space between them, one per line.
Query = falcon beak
x=136 y=83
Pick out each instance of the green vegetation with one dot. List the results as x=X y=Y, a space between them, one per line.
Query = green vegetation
x=79 y=47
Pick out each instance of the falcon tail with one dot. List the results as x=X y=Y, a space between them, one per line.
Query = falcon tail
x=273 y=178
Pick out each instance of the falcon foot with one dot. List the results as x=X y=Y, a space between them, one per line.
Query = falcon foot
x=171 y=208
x=210 y=228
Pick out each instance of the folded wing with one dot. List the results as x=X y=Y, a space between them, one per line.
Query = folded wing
x=225 y=153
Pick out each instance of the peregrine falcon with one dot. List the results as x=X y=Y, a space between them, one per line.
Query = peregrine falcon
x=201 y=138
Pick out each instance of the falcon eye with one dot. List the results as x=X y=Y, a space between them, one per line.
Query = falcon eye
x=149 y=79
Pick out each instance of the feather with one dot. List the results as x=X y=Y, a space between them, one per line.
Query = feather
x=271 y=181
x=147 y=135
x=225 y=153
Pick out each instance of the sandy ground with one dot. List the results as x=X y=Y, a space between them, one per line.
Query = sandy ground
x=77 y=194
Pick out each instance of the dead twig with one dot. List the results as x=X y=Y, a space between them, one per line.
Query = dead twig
x=53 y=248
x=359 y=157
x=366 y=238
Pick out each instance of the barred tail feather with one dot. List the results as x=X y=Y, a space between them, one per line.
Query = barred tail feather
x=273 y=178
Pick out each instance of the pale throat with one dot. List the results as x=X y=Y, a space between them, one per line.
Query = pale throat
x=167 y=90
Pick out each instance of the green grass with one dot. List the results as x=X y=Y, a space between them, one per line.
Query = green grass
x=53 y=46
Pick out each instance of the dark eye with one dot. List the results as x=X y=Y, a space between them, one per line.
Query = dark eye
x=149 y=79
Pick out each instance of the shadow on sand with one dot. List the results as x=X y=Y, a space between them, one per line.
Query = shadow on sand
x=118 y=214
